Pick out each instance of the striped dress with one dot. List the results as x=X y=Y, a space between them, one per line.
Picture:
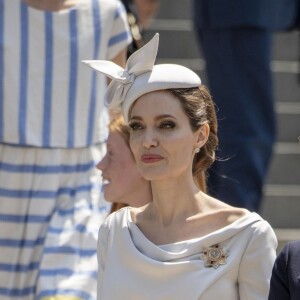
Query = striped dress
x=53 y=127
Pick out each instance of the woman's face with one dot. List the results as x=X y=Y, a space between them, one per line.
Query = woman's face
x=119 y=171
x=161 y=137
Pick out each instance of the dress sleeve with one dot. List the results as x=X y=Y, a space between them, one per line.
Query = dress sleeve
x=279 y=286
x=257 y=263
x=101 y=254
x=120 y=36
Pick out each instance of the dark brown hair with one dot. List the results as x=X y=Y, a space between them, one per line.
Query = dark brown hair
x=198 y=105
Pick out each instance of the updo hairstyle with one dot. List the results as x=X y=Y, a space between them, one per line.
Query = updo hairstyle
x=198 y=105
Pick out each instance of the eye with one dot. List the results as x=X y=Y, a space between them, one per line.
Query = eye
x=167 y=125
x=135 y=126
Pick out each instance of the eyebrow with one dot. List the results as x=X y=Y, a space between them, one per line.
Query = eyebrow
x=137 y=118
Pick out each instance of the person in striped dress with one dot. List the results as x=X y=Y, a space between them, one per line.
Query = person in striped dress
x=53 y=128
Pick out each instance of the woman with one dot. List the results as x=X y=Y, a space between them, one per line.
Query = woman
x=184 y=244
x=123 y=184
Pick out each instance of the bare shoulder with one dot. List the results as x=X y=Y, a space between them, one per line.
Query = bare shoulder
x=235 y=213
x=227 y=214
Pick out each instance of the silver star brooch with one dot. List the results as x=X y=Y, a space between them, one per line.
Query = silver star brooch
x=214 y=256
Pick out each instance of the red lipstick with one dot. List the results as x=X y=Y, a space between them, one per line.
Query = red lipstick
x=151 y=158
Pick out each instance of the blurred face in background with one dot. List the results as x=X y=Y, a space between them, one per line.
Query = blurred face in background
x=119 y=172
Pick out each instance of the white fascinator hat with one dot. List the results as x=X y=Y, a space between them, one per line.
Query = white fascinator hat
x=141 y=76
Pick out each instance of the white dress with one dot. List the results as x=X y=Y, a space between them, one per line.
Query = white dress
x=132 y=267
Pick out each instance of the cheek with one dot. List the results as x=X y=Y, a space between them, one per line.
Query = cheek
x=129 y=178
x=121 y=161
x=125 y=165
x=178 y=142
x=132 y=177
x=181 y=148
x=134 y=147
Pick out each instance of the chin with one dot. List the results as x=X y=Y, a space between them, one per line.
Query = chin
x=108 y=196
x=111 y=198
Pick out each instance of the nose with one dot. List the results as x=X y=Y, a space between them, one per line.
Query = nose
x=102 y=164
x=150 y=140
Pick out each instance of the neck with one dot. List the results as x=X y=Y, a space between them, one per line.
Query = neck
x=142 y=195
x=174 y=200
x=50 y=5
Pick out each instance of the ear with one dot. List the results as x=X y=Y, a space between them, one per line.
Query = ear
x=202 y=135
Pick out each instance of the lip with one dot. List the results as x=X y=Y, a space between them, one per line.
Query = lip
x=151 y=158
x=105 y=180
x=105 y=184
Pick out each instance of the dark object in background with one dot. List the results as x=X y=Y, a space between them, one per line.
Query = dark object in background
x=136 y=33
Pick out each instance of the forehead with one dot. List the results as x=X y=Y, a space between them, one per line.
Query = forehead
x=155 y=103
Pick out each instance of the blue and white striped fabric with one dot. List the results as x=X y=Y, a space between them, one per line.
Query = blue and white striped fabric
x=53 y=125
x=48 y=97
x=50 y=214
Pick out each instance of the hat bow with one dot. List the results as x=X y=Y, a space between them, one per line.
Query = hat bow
x=138 y=63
